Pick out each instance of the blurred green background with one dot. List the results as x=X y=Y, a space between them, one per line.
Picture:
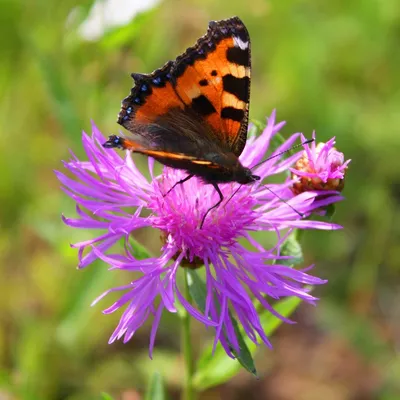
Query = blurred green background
x=332 y=66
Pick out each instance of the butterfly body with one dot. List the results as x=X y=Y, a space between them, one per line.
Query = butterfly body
x=226 y=166
x=192 y=113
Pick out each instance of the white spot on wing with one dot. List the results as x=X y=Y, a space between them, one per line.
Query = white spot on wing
x=239 y=43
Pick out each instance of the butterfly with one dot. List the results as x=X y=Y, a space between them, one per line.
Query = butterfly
x=192 y=113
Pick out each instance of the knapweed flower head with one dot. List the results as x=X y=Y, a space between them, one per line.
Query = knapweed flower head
x=321 y=167
x=112 y=195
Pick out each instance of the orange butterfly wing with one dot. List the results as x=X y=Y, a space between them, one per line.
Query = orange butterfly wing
x=212 y=79
x=152 y=95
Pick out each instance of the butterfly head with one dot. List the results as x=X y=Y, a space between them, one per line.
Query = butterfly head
x=244 y=175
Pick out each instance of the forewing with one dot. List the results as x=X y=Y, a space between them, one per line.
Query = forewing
x=213 y=79
x=210 y=81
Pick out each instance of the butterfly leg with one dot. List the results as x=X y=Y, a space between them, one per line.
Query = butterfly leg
x=221 y=197
x=179 y=183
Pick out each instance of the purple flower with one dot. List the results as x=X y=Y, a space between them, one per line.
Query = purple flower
x=111 y=194
x=321 y=167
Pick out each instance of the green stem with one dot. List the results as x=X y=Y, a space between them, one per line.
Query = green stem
x=188 y=391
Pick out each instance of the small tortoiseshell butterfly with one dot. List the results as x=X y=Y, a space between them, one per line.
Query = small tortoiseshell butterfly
x=192 y=113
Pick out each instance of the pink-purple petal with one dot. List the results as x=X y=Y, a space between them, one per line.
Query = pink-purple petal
x=113 y=195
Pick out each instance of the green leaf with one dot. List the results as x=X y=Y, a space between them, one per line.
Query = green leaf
x=214 y=369
x=106 y=396
x=284 y=307
x=217 y=369
x=291 y=247
x=197 y=288
x=244 y=356
x=198 y=292
x=156 y=390
x=139 y=251
x=330 y=211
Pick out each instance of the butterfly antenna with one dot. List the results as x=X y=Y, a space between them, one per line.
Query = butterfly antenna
x=283 y=152
x=277 y=155
x=284 y=201
x=269 y=158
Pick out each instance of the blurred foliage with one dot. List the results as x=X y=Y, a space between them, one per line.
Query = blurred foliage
x=329 y=66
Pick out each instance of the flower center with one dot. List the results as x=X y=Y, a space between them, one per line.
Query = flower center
x=179 y=213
